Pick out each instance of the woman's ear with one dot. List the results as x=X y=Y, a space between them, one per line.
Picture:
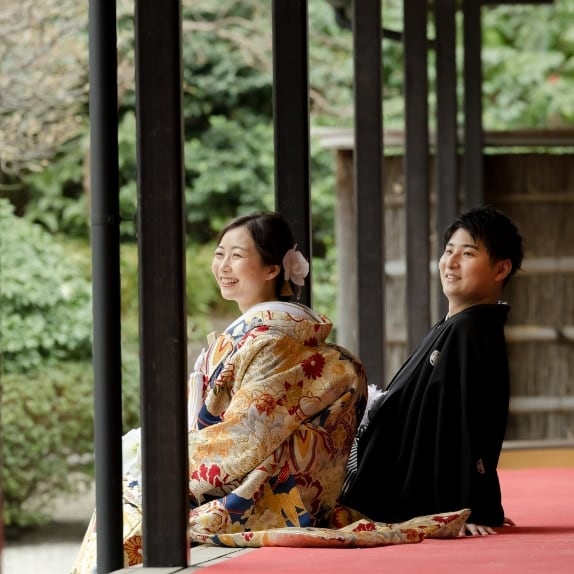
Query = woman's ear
x=273 y=271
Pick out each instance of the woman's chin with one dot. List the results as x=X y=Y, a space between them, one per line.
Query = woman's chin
x=227 y=294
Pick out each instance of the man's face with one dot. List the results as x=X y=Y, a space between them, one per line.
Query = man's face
x=467 y=274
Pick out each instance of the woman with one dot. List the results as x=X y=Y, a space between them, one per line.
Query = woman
x=287 y=401
x=273 y=410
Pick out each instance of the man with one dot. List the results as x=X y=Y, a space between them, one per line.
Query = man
x=433 y=439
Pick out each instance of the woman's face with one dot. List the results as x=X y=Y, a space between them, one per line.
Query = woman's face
x=240 y=272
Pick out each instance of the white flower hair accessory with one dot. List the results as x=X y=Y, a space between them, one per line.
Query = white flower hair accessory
x=295 y=268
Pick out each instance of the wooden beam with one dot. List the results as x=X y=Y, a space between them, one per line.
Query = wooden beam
x=343 y=138
x=530 y=266
x=506 y=2
x=540 y=404
x=537 y=454
x=547 y=265
x=144 y=570
x=567 y=443
x=522 y=198
x=514 y=334
x=539 y=333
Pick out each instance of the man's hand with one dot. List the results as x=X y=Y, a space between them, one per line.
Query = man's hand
x=481 y=530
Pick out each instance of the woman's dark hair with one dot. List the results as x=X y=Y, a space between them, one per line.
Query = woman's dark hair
x=495 y=231
x=272 y=236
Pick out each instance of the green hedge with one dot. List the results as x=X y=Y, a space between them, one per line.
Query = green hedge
x=46 y=371
x=45 y=301
x=47 y=421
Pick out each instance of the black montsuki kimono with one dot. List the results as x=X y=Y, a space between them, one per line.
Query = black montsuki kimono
x=433 y=441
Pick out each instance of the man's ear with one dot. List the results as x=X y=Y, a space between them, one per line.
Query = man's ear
x=503 y=268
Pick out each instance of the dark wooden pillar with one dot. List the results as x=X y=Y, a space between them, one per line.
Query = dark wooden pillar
x=291 y=122
x=161 y=241
x=416 y=171
x=105 y=220
x=367 y=52
x=473 y=176
x=446 y=158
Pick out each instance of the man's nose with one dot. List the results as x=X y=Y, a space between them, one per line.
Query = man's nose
x=452 y=260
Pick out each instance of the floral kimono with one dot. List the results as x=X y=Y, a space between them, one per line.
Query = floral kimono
x=273 y=411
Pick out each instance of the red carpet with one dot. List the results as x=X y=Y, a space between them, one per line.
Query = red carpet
x=540 y=501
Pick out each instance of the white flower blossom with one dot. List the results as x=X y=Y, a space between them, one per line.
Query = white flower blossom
x=296 y=266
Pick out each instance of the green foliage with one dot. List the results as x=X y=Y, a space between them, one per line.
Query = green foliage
x=528 y=66
x=47 y=435
x=325 y=287
x=127 y=164
x=47 y=439
x=57 y=200
x=330 y=68
x=46 y=304
x=130 y=335
x=223 y=74
x=228 y=112
x=323 y=194
x=46 y=345
x=47 y=379
x=231 y=171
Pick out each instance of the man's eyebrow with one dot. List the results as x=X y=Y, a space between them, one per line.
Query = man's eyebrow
x=463 y=245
